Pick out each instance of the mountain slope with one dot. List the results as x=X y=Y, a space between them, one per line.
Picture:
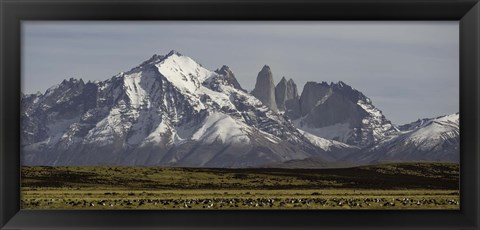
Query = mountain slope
x=337 y=111
x=435 y=139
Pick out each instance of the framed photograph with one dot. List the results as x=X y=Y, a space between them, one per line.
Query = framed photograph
x=239 y=114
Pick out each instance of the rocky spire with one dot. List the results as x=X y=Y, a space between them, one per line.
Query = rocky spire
x=285 y=92
x=281 y=94
x=265 y=88
x=229 y=77
x=292 y=104
x=293 y=92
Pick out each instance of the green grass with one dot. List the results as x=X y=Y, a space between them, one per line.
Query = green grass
x=406 y=186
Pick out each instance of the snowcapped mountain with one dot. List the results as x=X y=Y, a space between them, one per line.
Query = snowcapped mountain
x=167 y=111
x=337 y=111
x=171 y=111
x=435 y=139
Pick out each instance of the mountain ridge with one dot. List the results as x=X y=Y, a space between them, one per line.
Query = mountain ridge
x=171 y=111
x=167 y=111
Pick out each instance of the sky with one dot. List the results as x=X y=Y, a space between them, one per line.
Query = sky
x=409 y=70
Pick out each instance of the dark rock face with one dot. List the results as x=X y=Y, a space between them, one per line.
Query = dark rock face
x=229 y=77
x=311 y=94
x=337 y=109
x=281 y=92
x=286 y=96
x=339 y=112
x=292 y=92
x=265 y=88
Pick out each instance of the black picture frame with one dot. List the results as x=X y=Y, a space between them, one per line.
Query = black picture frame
x=12 y=12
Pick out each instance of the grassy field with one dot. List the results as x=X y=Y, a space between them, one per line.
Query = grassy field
x=388 y=186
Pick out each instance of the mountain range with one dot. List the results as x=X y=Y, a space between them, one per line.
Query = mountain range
x=171 y=111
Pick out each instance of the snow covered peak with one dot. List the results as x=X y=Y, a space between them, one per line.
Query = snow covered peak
x=452 y=118
x=183 y=72
x=436 y=130
x=429 y=139
x=173 y=52
x=154 y=59
x=449 y=118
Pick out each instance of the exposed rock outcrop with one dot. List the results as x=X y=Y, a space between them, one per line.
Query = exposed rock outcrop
x=337 y=111
x=265 y=88
x=286 y=96
x=229 y=77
